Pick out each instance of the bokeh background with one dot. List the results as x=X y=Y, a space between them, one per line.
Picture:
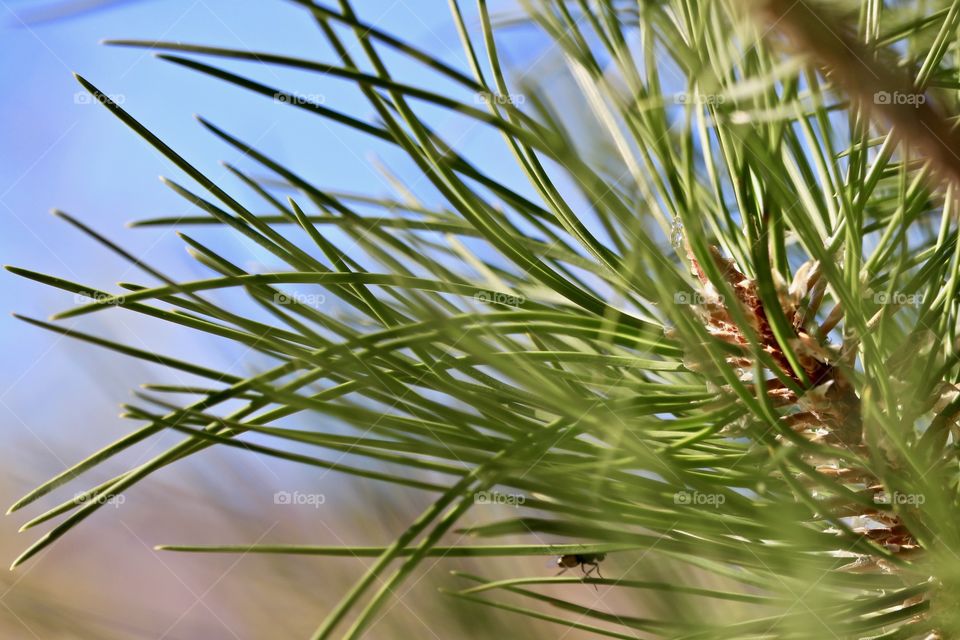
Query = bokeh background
x=59 y=399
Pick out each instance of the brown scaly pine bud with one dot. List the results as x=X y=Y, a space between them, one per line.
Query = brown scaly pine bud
x=829 y=410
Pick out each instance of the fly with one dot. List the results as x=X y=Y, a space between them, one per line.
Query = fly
x=582 y=560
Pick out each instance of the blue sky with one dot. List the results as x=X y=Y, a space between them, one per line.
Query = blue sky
x=62 y=150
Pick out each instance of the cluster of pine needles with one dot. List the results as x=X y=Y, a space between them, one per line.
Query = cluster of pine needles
x=710 y=333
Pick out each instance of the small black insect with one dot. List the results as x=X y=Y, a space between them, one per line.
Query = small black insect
x=582 y=560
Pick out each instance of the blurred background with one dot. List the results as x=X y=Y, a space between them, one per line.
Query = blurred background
x=59 y=399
